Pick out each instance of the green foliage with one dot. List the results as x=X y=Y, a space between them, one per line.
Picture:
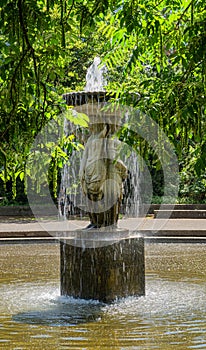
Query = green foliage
x=193 y=179
x=159 y=52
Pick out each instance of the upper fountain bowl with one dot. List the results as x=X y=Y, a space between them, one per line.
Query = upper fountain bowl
x=93 y=100
x=94 y=91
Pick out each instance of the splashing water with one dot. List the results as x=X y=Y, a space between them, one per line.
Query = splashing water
x=95 y=77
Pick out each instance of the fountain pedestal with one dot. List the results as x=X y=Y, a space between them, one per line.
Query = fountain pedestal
x=101 y=266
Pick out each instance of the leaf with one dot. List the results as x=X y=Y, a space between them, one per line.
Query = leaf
x=80 y=119
x=21 y=176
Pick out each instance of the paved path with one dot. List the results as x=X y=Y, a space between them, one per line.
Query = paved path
x=148 y=227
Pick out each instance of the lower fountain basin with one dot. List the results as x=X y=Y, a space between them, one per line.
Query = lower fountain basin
x=172 y=314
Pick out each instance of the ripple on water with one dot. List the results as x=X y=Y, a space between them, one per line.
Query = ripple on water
x=163 y=298
x=165 y=301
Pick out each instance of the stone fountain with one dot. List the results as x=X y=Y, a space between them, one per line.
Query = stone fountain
x=101 y=261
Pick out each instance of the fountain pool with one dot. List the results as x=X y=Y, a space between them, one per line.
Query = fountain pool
x=34 y=316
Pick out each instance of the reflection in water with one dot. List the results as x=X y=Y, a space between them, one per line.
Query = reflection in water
x=63 y=312
x=172 y=315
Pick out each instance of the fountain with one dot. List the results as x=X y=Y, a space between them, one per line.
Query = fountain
x=101 y=262
x=33 y=315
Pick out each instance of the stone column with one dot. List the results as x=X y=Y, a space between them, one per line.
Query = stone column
x=107 y=271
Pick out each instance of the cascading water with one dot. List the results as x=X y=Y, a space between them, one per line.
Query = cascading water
x=69 y=188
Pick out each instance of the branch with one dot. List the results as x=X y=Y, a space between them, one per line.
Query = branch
x=70 y=10
x=183 y=13
x=16 y=70
x=62 y=24
x=25 y=34
x=191 y=67
x=23 y=27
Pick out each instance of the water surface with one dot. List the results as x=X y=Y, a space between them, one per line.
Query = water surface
x=172 y=315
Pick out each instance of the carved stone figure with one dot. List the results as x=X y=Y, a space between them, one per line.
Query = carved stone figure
x=102 y=175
